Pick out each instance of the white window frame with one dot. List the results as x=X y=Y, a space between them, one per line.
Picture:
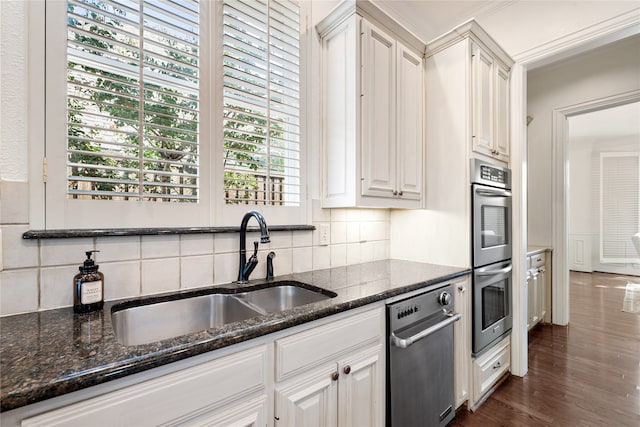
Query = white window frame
x=50 y=206
x=228 y=214
x=603 y=259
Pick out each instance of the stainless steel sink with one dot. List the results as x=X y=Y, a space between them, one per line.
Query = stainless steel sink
x=151 y=322
x=283 y=297
x=154 y=322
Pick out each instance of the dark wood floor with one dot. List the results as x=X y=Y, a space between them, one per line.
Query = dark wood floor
x=585 y=374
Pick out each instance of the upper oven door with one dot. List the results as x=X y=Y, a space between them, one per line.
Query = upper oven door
x=491 y=225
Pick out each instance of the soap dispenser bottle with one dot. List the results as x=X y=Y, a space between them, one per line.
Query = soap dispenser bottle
x=88 y=287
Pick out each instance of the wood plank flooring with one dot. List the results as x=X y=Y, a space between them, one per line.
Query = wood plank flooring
x=586 y=374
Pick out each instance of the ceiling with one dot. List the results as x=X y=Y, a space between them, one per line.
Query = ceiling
x=517 y=25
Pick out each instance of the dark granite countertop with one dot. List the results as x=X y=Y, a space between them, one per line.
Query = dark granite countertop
x=51 y=353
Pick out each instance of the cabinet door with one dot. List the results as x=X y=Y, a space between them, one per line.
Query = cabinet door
x=409 y=123
x=309 y=400
x=541 y=297
x=378 y=79
x=530 y=300
x=533 y=299
x=361 y=389
x=482 y=95
x=501 y=107
x=462 y=342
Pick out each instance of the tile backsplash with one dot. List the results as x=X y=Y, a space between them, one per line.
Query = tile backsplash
x=37 y=274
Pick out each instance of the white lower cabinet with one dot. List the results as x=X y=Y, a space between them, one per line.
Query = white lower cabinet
x=489 y=368
x=340 y=381
x=329 y=373
x=537 y=289
x=223 y=392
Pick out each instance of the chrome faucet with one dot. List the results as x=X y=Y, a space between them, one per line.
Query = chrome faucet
x=246 y=267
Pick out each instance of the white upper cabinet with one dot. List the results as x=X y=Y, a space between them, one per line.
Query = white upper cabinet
x=490 y=82
x=372 y=110
x=469 y=58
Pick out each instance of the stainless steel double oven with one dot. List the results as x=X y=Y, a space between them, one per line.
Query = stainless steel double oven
x=491 y=243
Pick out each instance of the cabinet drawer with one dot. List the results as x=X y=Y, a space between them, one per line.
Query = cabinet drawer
x=300 y=351
x=171 y=397
x=490 y=367
x=537 y=260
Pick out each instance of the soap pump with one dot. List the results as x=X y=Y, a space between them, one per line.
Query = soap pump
x=88 y=287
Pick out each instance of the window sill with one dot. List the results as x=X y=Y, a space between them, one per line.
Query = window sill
x=109 y=232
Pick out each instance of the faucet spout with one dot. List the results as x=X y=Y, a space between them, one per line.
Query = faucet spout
x=244 y=271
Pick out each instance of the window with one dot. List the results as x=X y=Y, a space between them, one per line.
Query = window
x=261 y=102
x=619 y=206
x=159 y=113
x=133 y=100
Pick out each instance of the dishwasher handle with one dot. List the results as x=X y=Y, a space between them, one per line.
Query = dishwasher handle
x=406 y=342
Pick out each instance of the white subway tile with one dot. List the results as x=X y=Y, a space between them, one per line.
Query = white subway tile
x=56 y=287
x=302 y=259
x=196 y=271
x=16 y=251
x=338 y=232
x=353 y=232
x=380 y=250
x=321 y=257
x=338 y=255
x=225 y=268
x=354 y=215
x=160 y=246
x=19 y=291
x=338 y=215
x=283 y=262
x=125 y=248
x=226 y=243
x=367 y=251
x=302 y=238
x=64 y=251
x=279 y=240
x=196 y=244
x=14 y=203
x=121 y=279
x=353 y=253
x=160 y=275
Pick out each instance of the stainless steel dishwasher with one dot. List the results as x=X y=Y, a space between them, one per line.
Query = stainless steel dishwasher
x=420 y=360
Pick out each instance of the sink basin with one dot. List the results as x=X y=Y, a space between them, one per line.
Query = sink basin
x=154 y=322
x=283 y=297
x=151 y=322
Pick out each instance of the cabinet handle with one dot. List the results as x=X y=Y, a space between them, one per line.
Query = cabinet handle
x=395 y=193
x=497 y=365
x=539 y=259
x=347 y=369
x=335 y=376
x=400 y=193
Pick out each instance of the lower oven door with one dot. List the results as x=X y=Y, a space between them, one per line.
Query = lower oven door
x=420 y=376
x=492 y=315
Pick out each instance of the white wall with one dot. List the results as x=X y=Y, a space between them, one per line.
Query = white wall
x=603 y=72
x=584 y=193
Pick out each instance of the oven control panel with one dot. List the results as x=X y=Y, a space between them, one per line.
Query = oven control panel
x=488 y=174
x=427 y=305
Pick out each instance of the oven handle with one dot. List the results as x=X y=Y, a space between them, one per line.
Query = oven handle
x=406 y=342
x=493 y=193
x=494 y=272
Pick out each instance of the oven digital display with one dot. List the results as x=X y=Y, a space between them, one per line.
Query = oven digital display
x=492 y=174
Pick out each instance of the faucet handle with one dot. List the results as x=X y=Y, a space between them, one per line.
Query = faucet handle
x=255 y=248
x=270 y=257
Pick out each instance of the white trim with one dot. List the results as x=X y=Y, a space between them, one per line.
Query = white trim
x=518 y=157
x=616 y=28
x=560 y=182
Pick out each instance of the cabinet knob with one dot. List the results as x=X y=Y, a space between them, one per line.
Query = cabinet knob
x=400 y=193
x=335 y=376
x=497 y=365
x=347 y=369
x=461 y=288
x=395 y=193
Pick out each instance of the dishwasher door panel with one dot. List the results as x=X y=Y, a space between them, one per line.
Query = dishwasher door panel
x=421 y=387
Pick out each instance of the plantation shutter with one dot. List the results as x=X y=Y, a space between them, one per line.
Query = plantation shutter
x=261 y=102
x=619 y=205
x=133 y=100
